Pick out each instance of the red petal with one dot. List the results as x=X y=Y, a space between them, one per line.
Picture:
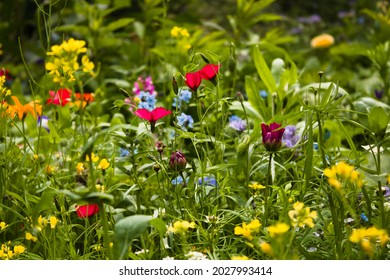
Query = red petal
x=144 y=114
x=160 y=112
x=88 y=210
x=193 y=80
x=209 y=71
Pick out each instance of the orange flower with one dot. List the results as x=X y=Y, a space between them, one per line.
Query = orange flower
x=322 y=41
x=88 y=97
x=22 y=110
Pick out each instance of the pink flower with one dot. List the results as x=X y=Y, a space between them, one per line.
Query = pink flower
x=152 y=116
x=87 y=210
x=61 y=97
x=272 y=136
x=209 y=71
x=193 y=80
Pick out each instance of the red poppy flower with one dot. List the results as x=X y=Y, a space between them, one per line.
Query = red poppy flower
x=209 y=71
x=152 y=116
x=272 y=136
x=87 y=210
x=61 y=97
x=193 y=80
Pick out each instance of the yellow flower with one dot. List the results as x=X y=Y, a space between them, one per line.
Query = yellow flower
x=100 y=188
x=246 y=230
x=256 y=186
x=31 y=237
x=177 y=32
x=3 y=225
x=181 y=226
x=104 y=164
x=368 y=237
x=19 y=249
x=42 y=222
x=266 y=248
x=342 y=172
x=53 y=222
x=239 y=258
x=301 y=216
x=93 y=157
x=3 y=90
x=80 y=168
x=49 y=169
x=278 y=229
x=322 y=41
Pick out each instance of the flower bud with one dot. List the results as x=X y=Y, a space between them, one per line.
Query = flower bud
x=178 y=161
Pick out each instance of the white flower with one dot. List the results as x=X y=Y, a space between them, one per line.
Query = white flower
x=196 y=256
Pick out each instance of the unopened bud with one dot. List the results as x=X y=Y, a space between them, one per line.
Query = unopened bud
x=178 y=161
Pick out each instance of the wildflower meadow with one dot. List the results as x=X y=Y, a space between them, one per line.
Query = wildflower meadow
x=194 y=130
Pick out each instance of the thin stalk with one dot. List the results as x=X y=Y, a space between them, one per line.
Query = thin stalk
x=267 y=192
x=320 y=141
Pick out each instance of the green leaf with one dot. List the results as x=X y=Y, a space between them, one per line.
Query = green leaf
x=263 y=70
x=116 y=25
x=378 y=119
x=255 y=100
x=126 y=230
x=54 y=138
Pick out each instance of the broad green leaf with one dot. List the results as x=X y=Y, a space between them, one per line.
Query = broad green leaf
x=263 y=70
x=255 y=100
x=126 y=230
x=378 y=119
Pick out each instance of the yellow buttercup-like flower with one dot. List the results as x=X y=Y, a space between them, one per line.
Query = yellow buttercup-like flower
x=3 y=225
x=256 y=186
x=343 y=172
x=104 y=164
x=278 y=229
x=247 y=230
x=181 y=226
x=53 y=222
x=301 y=216
x=31 y=237
x=368 y=238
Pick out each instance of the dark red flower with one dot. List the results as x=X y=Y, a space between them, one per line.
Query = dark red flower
x=193 y=80
x=209 y=71
x=178 y=161
x=5 y=72
x=87 y=210
x=272 y=136
x=152 y=116
x=60 y=97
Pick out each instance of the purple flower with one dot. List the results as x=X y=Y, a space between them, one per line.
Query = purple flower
x=378 y=93
x=272 y=136
x=237 y=123
x=177 y=161
x=290 y=137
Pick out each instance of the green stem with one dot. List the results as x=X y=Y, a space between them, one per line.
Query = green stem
x=267 y=192
x=320 y=141
x=106 y=240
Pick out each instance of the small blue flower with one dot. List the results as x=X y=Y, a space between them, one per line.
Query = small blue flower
x=185 y=121
x=237 y=123
x=263 y=94
x=315 y=146
x=363 y=217
x=148 y=101
x=124 y=152
x=183 y=96
x=208 y=181
x=178 y=180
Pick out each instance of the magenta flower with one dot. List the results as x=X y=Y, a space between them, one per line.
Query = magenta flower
x=152 y=116
x=60 y=97
x=272 y=136
x=209 y=71
x=193 y=80
x=87 y=210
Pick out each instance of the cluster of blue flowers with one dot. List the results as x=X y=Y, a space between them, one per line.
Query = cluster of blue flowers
x=185 y=121
x=237 y=123
x=183 y=96
x=147 y=101
x=290 y=137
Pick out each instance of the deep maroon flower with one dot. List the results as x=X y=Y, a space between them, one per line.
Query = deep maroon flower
x=193 y=80
x=209 y=71
x=178 y=161
x=272 y=136
x=152 y=116
x=87 y=210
